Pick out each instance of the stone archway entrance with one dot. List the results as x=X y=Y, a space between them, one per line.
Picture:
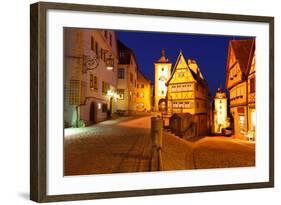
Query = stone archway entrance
x=93 y=118
x=162 y=105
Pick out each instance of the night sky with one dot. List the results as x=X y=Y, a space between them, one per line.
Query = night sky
x=209 y=51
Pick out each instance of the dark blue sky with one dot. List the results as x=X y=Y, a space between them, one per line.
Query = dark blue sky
x=209 y=51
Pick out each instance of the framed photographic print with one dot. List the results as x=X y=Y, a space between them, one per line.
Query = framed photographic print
x=134 y=102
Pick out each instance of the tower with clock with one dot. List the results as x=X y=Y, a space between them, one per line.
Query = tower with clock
x=162 y=72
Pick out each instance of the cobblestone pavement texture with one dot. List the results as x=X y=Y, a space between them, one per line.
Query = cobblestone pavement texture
x=113 y=146
x=124 y=145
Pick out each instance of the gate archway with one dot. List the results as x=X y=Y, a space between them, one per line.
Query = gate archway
x=162 y=105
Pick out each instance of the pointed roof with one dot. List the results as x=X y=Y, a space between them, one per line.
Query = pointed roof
x=163 y=58
x=181 y=63
x=244 y=52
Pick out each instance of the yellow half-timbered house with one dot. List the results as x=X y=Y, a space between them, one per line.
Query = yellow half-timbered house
x=188 y=92
x=240 y=82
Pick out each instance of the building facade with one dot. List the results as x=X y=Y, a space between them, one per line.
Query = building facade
x=220 y=120
x=240 y=82
x=90 y=70
x=162 y=72
x=251 y=80
x=143 y=93
x=188 y=92
x=127 y=77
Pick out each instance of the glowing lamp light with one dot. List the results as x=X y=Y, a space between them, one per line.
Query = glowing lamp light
x=109 y=63
x=116 y=96
x=99 y=106
x=109 y=93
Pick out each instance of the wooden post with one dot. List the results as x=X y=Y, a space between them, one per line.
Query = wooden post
x=157 y=141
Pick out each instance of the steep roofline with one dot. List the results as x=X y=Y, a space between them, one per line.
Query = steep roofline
x=227 y=64
x=249 y=60
x=174 y=67
x=252 y=53
x=194 y=75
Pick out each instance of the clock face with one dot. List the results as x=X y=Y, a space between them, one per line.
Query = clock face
x=162 y=78
x=90 y=62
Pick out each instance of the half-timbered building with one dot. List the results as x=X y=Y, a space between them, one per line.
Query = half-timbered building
x=240 y=82
x=188 y=92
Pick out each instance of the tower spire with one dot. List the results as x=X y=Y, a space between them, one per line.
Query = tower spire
x=163 y=58
x=163 y=52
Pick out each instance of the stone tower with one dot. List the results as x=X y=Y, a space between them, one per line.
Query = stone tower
x=220 y=111
x=162 y=72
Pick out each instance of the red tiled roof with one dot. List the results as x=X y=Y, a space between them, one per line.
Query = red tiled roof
x=244 y=52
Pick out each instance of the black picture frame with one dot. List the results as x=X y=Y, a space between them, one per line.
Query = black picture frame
x=38 y=103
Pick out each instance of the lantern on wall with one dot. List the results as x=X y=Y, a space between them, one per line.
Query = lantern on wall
x=109 y=62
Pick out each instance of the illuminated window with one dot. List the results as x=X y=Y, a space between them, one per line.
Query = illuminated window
x=188 y=104
x=241 y=123
x=175 y=105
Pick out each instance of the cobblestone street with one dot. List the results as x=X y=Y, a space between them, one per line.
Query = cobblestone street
x=112 y=146
x=206 y=152
x=124 y=145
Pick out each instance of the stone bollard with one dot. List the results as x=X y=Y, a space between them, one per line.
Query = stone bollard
x=157 y=141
